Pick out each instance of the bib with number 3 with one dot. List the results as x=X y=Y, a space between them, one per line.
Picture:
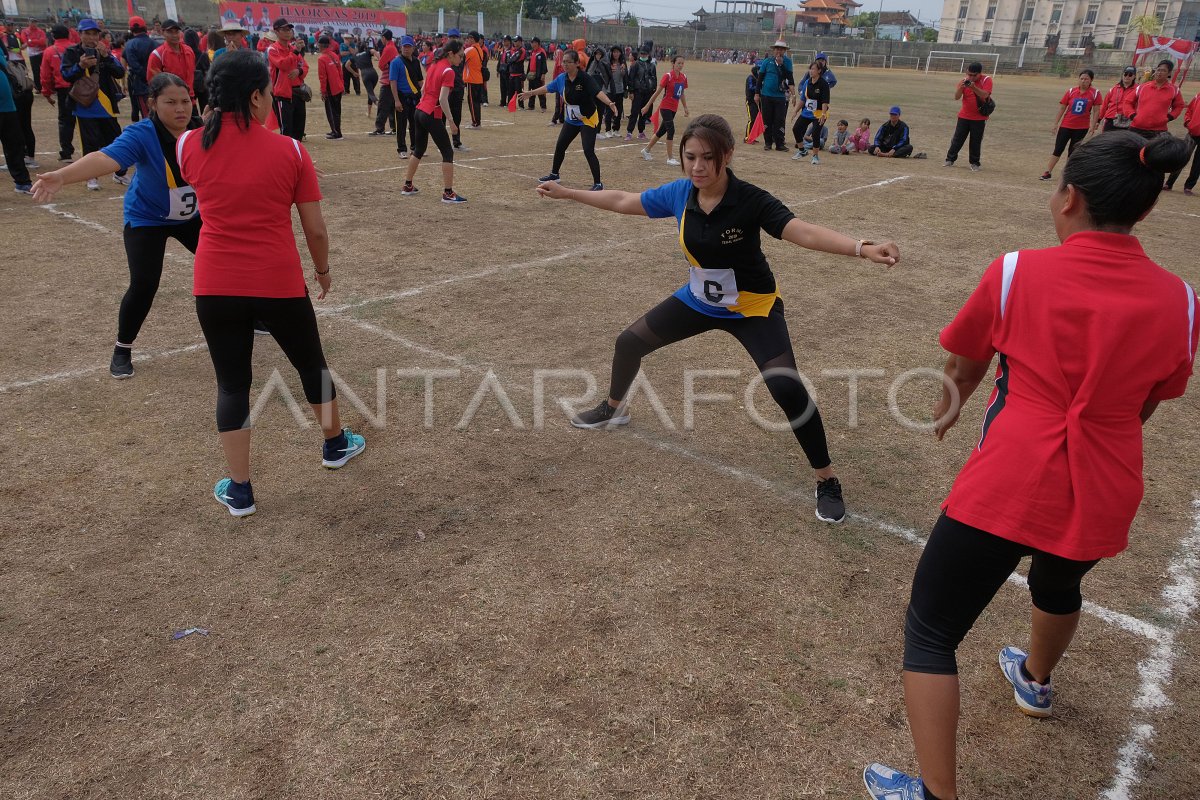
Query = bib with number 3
x=183 y=203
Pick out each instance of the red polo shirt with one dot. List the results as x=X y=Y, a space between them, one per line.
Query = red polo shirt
x=1191 y=117
x=247 y=247
x=385 y=60
x=970 y=101
x=1079 y=105
x=439 y=75
x=1087 y=333
x=1154 y=106
x=181 y=62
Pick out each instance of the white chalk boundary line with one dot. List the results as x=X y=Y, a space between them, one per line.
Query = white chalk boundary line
x=460 y=162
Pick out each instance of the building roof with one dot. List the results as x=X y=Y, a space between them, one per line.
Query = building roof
x=901 y=18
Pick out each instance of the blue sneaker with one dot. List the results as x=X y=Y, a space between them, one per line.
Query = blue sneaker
x=337 y=453
x=452 y=198
x=1032 y=697
x=885 y=783
x=237 y=497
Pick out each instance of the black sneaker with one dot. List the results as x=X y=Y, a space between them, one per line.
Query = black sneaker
x=602 y=416
x=1045 y=176
x=121 y=366
x=830 y=506
x=597 y=187
x=377 y=133
x=553 y=176
x=781 y=148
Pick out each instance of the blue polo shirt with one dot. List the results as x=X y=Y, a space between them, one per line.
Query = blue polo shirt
x=773 y=78
x=158 y=195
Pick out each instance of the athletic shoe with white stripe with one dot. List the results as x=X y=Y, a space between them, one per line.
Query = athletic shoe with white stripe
x=237 y=497
x=336 y=453
x=885 y=783
x=1032 y=698
x=602 y=416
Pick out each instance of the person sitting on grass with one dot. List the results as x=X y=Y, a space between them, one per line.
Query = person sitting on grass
x=891 y=140
x=860 y=139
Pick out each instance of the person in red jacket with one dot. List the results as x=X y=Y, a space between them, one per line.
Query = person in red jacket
x=1115 y=112
x=57 y=90
x=333 y=85
x=1191 y=120
x=287 y=68
x=174 y=57
x=35 y=42
x=1156 y=102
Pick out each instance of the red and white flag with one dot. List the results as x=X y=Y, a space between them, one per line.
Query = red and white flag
x=1181 y=51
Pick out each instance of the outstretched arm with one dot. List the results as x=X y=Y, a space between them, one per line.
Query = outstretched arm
x=606 y=200
x=93 y=165
x=814 y=237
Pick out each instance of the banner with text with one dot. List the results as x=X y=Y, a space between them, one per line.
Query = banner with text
x=313 y=19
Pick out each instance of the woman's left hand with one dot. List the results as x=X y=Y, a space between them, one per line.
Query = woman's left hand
x=323 y=281
x=886 y=253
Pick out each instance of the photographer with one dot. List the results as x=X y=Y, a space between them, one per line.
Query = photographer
x=972 y=91
x=774 y=91
x=288 y=68
x=91 y=59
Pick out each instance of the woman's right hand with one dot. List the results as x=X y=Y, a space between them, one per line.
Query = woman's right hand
x=46 y=187
x=554 y=190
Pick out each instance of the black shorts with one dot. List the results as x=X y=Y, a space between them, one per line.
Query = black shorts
x=1068 y=139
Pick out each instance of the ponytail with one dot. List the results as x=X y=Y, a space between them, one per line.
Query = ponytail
x=233 y=78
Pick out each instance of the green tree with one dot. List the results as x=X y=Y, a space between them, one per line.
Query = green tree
x=365 y=4
x=929 y=35
x=1147 y=24
x=545 y=9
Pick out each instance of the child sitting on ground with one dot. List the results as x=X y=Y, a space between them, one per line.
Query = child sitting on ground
x=841 y=139
x=861 y=139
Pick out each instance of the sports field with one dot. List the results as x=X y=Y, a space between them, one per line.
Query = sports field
x=488 y=604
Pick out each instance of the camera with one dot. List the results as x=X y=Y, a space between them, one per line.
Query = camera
x=90 y=51
x=967 y=82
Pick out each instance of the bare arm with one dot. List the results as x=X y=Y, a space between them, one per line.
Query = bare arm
x=1062 y=112
x=963 y=376
x=814 y=237
x=317 y=238
x=444 y=102
x=1148 y=410
x=93 y=165
x=606 y=200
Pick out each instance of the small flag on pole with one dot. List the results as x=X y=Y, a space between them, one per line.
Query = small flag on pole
x=756 y=130
x=512 y=104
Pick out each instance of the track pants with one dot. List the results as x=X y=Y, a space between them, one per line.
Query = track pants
x=145 y=247
x=972 y=128
x=333 y=113
x=566 y=136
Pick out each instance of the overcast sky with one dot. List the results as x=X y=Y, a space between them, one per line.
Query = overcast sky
x=681 y=10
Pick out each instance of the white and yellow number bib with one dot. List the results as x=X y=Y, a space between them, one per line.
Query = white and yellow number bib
x=182 y=203
x=714 y=287
x=810 y=105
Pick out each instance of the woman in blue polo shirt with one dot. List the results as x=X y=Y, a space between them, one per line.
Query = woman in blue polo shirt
x=731 y=287
x=159 y=205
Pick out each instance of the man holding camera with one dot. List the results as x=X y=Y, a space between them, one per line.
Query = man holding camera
x=974 y=90
x=775 y=82
x=288 y=68
x=92 y=70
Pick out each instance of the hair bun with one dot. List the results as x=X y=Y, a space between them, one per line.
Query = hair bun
x=1166 y=153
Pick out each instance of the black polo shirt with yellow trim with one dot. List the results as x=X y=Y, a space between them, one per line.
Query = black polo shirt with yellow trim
x=730 y=276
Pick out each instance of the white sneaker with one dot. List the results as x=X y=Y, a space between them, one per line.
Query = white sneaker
x=672 y=162
x=799 y=154
x=646 y=155
x=93 y=185
x=124 y=180
x=815 y=160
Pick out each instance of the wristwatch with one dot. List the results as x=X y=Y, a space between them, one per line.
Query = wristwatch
x=858 y=247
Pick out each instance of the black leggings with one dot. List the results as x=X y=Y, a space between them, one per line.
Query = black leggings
x=959 y=573
x=765 y=339
x=636 y=117
x=612 y=119
x=429 y=127
x=801 y=125
x=1068 y=139
x=566 y=136
x=666 y=124
x=228 y=324
x=144 y=250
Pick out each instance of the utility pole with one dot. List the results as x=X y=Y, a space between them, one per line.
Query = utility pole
x=620 y=15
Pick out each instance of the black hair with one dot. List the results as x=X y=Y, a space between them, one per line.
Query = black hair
x=1087 y=72
x=820 y=67
x=162 y=81
x=1120 y=175
x=232 y=79
x=324 y=42
x=1169 y=63
x=60 y=32
x=571 y=55
x=843 y=122
x=452 y=46
x=192 y=40
x=714 y=131
x=974 y=66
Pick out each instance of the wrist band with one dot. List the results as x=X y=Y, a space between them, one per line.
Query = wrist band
x=858 y=247
x=318 y=272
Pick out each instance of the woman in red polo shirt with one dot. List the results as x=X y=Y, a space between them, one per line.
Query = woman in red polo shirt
x=1091 y=336
x=672 y=88
x=433 y=115
x=1078 y=115
x=1116 y=103
x=235 y=284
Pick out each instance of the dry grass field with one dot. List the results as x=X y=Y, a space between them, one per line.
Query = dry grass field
x=506 y=609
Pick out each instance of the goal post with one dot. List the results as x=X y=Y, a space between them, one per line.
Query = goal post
x=905 y=62
x=946 y=58
x=878 y=60
x=839 y=58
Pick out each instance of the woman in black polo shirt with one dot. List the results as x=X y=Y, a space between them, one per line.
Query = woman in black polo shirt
x=731 y=286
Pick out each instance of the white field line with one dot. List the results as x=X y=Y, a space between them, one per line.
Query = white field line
x=84 y=372
x=1180 y=600
x=459 y=162
x=87 y=223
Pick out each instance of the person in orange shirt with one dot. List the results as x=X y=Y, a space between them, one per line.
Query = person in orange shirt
x=473 y=59
x=1191 y=121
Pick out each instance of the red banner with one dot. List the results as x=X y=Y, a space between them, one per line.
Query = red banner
x=1181 y=51
x=314 y=19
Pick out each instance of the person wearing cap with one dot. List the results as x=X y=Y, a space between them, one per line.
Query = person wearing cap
x=516 y=69
x=643 y=82
x=329 y=73
x=826 y=72
x=775 y=83
x=1115 y=112
x=285 y=58
x=98 y=126
x=173 y=57
x=35 y=42
x=535 y=71
x=892 y=138
x=56 y=89
x=385 y=116
x=474 y=57
x=138 y=48
x=406 y=78
x=234 y=35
